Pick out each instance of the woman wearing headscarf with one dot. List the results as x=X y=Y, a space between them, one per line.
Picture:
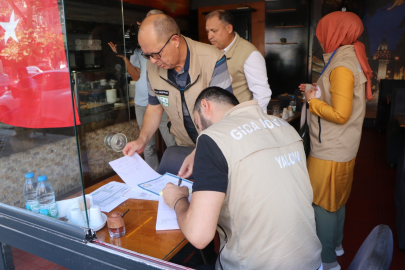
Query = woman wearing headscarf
x=337 y=108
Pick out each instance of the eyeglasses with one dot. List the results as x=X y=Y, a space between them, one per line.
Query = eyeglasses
x=157 y=55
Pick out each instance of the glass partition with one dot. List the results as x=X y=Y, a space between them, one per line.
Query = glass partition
x=39 y=156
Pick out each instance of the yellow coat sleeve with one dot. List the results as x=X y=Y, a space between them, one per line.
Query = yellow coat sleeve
x=342 y=84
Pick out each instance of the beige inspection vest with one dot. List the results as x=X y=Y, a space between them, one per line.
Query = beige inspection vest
x=203 y=58
x=331 y=141
x=236 y=57
x=266 y=220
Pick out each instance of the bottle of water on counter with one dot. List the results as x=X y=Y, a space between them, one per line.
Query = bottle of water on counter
x=46 y=198
x=30 y=192
x=292 y=103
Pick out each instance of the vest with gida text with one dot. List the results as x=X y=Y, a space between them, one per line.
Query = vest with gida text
x=331 y=141
x=236 y=57
x=203 y=58
x=266 y=220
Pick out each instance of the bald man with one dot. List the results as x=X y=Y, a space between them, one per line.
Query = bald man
x=136 y=68
x=178 y=70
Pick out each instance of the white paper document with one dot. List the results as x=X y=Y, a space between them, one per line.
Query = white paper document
x=166 y=217
x=110 y=196
x=158 y=184
x=141 y=195
x=133 y=170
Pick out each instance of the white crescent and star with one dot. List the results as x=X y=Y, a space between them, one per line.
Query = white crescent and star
x=10 y=28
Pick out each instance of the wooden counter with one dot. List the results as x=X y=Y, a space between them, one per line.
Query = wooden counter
x=141 y=235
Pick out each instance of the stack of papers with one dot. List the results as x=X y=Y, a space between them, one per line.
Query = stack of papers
x=145 y=184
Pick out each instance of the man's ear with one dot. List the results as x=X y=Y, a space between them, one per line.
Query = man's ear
x=176 y=39
x=229 y=28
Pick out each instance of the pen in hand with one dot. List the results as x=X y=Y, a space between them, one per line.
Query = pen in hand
x=180 y=180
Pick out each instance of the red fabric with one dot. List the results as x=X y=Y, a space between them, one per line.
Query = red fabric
x=35 y=89
x=344 y=28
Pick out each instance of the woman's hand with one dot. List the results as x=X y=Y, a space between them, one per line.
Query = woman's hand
x=310 y=94
x=304 y=86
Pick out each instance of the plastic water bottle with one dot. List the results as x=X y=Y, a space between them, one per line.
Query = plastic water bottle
x=30 y=192
x=292 y=103
x=46 y=198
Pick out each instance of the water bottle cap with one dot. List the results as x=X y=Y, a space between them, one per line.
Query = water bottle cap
x=29 y=175
x=42 y=178
x=292 y=96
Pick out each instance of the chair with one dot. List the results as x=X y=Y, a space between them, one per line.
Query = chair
x=376 y=251
x=383 y=108
x=395 y=135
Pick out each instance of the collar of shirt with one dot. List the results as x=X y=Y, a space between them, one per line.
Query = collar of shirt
x=230 y=45
x=186 y=64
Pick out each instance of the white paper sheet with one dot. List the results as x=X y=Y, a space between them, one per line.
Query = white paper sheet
x=109 y=196
x=166 y=217
x=133 y=170
x=141 y=195
x=158 y=184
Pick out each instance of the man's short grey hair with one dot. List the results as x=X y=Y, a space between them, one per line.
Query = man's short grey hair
x=224 y=16
x=165 y=26
x=215 y=94
x=154 y=12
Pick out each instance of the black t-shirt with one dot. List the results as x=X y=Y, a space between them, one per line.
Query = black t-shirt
x=210 y=167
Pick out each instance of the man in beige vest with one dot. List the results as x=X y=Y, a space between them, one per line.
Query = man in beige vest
x=251 y=184
x=245 y=63
x=178 y=70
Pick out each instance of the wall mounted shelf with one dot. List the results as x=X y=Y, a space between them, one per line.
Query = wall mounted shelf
x=289 y=26
x=281 y=10
x=279 y=43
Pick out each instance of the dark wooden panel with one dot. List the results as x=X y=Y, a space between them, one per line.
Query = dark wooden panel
x=287 y=63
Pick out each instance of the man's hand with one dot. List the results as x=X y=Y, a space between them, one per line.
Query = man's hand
x=186 y=169
x=171 y=193
x=114 y=49
x=134 y=146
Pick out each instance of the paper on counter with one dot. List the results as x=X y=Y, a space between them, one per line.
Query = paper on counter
x=156 y=185
x=133 y=170
x=166 y=217
x=141 y=195
x=110 y=195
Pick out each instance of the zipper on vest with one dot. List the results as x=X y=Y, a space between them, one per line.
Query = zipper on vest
x=226 y=241
x=319 y=124
x=170 y=82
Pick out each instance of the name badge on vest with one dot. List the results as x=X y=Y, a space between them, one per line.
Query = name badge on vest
x=163 y=97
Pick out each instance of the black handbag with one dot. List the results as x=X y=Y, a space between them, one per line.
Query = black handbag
x=304 y=133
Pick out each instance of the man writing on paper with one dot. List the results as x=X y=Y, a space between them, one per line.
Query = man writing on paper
x=250 y=182
x=245 y=63
x=178 y=70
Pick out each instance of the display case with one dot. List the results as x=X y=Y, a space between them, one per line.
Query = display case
x=100 y=90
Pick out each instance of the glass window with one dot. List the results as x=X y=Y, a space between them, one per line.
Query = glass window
x=39 y=157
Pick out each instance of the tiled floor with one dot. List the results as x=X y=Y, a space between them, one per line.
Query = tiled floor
x=372 y=199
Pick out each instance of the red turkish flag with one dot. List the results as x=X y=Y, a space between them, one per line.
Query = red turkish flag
x=35 y=89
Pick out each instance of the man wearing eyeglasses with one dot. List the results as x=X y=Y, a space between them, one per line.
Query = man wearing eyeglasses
x=136 y=68
x=178 y=70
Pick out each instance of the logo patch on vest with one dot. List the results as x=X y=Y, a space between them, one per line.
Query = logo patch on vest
x=163 y=100
x=163 y=97
x=162 y=92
